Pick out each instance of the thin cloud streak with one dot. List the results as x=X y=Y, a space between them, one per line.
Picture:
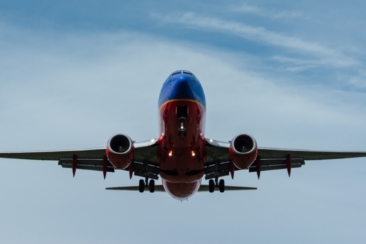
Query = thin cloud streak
x=252 y=9
x=298 y=64
x=329 y=56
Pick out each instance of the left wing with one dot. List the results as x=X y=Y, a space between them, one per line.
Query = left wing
x=270 y=158
x=92 y=159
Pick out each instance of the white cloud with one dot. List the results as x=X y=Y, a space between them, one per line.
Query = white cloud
x=252 y=9
x=358 y=80
x=301 y=64
x=77 y=89
x=328 y=56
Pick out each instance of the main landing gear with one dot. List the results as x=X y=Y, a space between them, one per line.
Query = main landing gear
x=143 y=184
x=213 y=184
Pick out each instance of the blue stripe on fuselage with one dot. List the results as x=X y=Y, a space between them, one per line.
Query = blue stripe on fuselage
x=182 y=86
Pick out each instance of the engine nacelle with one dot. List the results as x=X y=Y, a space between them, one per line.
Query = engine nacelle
x=120 y=151
x=243 y=151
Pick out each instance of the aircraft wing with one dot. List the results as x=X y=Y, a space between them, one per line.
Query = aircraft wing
x=270 y=158
x=91 y=159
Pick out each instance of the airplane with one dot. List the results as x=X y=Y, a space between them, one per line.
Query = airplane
x=182 y=155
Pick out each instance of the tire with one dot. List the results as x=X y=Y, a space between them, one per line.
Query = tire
x=222 y=185
x=141 y=186
x=211 y=186
x=152 y=186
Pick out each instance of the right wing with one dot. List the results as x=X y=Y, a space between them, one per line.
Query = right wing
x=270 y=158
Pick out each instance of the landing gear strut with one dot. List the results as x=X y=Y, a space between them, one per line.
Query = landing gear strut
x=149 y=172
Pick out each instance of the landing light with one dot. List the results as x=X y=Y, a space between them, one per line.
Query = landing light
x=193 y=154
x=170 y=153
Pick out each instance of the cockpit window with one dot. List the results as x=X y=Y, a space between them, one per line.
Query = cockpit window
x=177 y=72
x=181 y=72
x=188 y=73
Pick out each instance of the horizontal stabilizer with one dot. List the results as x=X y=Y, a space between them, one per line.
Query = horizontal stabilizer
x=160 y=188
x=204 y=188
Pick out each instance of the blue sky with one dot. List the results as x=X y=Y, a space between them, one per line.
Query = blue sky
x=75 y=73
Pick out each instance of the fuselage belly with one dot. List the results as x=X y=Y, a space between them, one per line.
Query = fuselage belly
x=181 y=151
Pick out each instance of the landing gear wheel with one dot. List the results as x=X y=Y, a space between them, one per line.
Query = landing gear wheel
x=211 y=186
x=152 y=186
x=222 y=185
x=141 y=186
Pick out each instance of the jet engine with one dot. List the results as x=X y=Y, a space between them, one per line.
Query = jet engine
x=243 y=151
x=120 y=151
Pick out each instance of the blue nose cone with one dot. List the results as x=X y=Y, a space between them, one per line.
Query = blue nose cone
x=182 y=89
x=182 y=86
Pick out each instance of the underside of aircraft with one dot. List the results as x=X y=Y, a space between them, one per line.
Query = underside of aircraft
x=181 y=155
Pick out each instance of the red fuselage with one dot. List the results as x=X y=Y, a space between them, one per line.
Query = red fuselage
x=181 y=151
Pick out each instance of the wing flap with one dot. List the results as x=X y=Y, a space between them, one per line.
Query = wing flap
x=276 y=163
x=86 y=164
x=88 y=167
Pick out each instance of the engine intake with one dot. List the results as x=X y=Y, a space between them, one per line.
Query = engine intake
x=120 y=151
x=243 y=151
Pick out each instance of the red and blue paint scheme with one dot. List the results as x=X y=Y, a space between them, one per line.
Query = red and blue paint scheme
x=182 y=150
x=181 y=155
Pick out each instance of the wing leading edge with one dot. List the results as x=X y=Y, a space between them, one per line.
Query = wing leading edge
x=270 y=158
x=220 y=149
x=91 y=159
